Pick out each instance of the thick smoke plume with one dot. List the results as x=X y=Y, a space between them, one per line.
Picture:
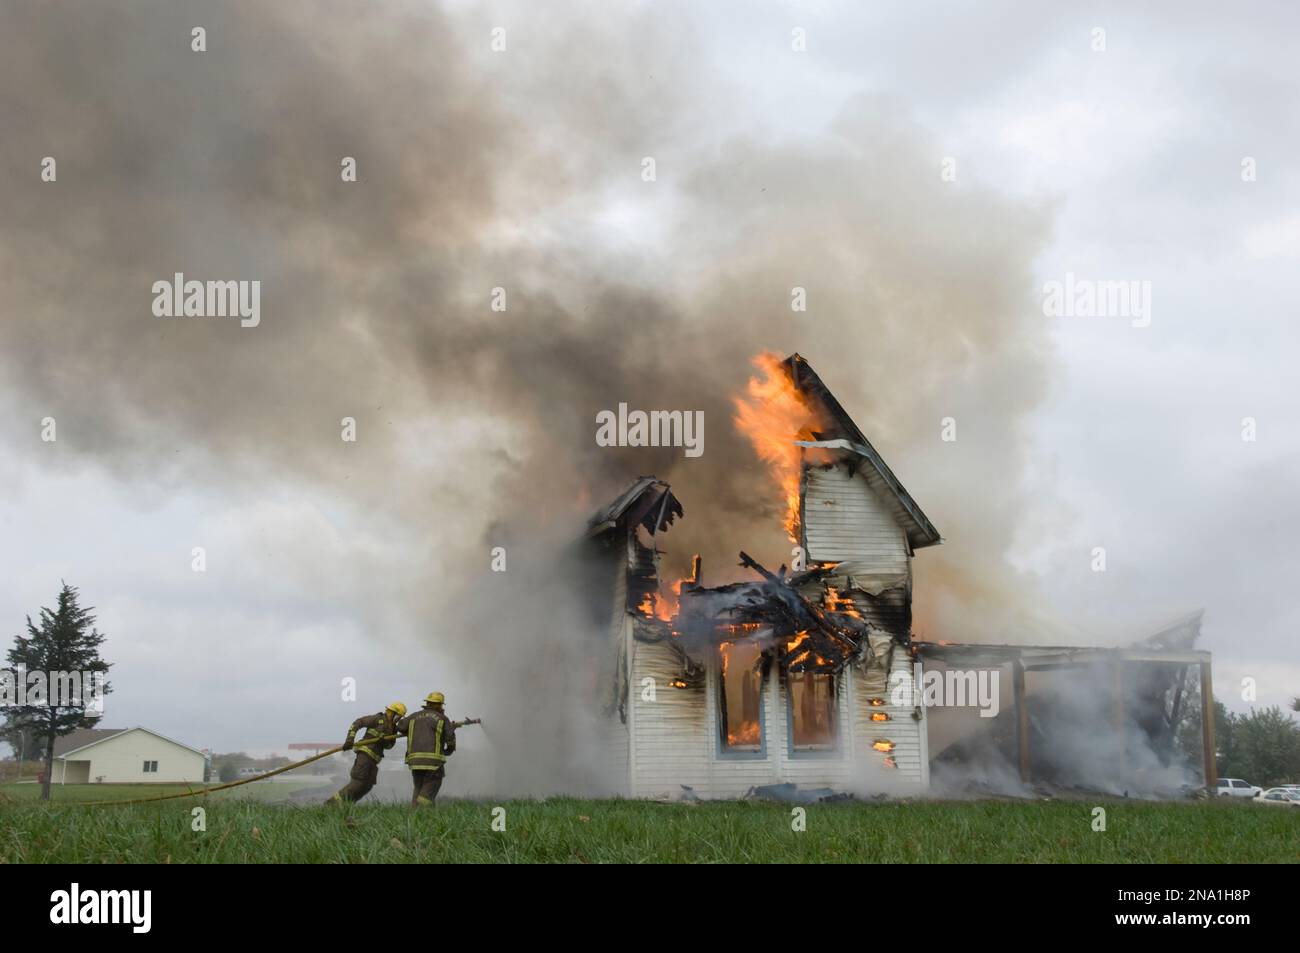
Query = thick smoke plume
x=522 y=171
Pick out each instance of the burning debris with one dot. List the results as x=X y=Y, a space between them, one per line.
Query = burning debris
x=774 y=612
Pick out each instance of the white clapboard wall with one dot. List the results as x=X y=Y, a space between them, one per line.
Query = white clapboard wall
x=674 y=736
x=845 y=520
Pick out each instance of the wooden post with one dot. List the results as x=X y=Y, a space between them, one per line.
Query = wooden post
x=1207 y=727
x=1170 y=736
x=1022 y=717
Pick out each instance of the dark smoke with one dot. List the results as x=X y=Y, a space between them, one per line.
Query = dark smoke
x=476 y=171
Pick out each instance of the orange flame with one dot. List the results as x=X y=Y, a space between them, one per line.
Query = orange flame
x=842 y=604
x=664 y=603
x=879 y=716
x=883 y=745
x=773 y=415
x=747 y=734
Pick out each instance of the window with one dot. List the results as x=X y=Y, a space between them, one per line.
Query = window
x=151 y=767
x=741 y=696
x=812 y=710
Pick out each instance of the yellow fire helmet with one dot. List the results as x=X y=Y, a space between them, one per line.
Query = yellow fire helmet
x=434 y=698
x=398 y=709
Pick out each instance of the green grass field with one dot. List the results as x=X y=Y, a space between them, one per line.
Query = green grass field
x=563 y=830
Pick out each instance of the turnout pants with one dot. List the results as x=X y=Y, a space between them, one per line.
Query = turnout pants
x=425 y=784
x=365 y=772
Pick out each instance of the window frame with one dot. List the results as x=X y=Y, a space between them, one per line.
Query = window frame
x=724 y=750
x=833 y=751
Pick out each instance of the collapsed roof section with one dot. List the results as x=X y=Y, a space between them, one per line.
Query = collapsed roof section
x=800 y=620
x=1173 y=645
x=799 y=633
x=647 y=502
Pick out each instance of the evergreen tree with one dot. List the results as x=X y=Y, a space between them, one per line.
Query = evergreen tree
x=66 y=641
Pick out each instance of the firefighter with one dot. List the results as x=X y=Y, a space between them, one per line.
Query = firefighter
x=379 y=737
x=430 y=740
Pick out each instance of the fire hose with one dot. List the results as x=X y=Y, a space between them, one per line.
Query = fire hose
x=261 y=777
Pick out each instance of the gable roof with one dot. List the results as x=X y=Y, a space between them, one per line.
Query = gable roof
x=920 y=531
x=89 y=737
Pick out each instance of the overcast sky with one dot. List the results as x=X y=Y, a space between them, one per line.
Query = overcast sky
x=1114 y=157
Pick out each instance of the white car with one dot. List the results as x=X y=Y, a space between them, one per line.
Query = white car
x=1235 y=787
x=1280 y=797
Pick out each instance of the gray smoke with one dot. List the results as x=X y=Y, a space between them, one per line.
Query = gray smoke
x=477 y=170
x=1085 y=738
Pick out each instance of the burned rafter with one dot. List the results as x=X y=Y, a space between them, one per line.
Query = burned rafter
x=799 y=634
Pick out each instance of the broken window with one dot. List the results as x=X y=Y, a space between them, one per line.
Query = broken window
x=740 y=697
x=812 y=709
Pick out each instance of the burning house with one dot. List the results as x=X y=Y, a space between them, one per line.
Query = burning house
x=798 y=676
x=805 y=676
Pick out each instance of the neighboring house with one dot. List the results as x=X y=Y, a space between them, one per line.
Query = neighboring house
x=124 y=756
x=785 y=679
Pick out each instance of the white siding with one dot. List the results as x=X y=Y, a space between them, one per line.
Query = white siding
x=907 y=733
x=674 y=737
x=612 y=731
x=670 y=734
x=823 y=769
x=846 y=521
